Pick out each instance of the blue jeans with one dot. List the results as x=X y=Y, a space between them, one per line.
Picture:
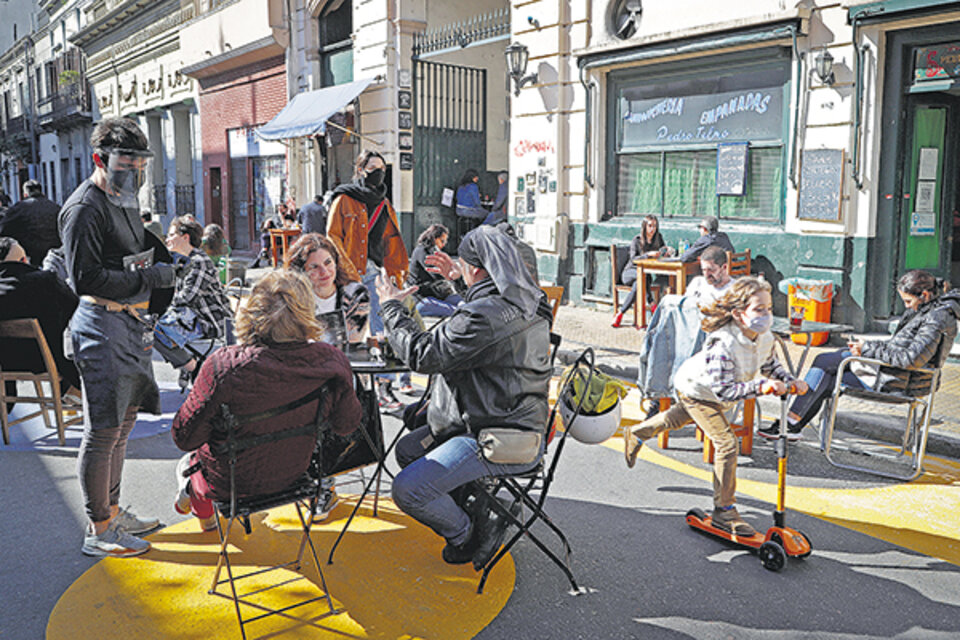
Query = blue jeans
x=431 y=471
x=822 y=377
x=370 y=282
x=436 y=307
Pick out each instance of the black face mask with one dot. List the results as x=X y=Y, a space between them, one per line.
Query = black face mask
x=374 y=178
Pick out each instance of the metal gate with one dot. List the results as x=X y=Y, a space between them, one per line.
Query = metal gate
x=450 y=122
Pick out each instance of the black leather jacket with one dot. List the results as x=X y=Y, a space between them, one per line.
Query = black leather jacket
x=493 y=364
x=922 y=339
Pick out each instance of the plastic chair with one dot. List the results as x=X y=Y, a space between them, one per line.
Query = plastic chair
x=305 y=494
x=28 y=329
x=531 y=489
x=919 y=392
x=738 y=264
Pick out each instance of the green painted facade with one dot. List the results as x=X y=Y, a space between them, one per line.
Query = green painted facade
x=586 y=272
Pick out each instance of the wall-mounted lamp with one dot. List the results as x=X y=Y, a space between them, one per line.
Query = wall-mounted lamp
x=517 y=57
x=823 y=65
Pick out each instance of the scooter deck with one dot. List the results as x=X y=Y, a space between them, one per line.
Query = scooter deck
x=706 y=525
x=794 y=543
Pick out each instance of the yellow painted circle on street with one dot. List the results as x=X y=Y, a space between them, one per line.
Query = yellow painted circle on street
x=387 y=581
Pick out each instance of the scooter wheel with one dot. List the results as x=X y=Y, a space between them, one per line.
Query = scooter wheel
x=809 y=544
x=772 y=556
x=696 y=513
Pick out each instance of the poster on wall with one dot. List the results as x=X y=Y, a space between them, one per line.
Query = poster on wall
x=923 y=222
x=927 y=169
x=404 y=100
x=406 y=161
x=405 y=119
x=519 y=206
x=542 y=184
x=405 y=141
x=531 y=200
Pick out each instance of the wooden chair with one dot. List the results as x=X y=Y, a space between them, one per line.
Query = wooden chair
x=619 y=255
x=738 y=264
x=554 y=295
x=742 y=429
x=29 y=329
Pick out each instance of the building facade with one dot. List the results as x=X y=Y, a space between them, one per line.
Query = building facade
x=793 y=123
x=236 y=53
x=133 y=66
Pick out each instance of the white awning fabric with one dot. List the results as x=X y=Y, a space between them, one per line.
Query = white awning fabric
x=307 y=113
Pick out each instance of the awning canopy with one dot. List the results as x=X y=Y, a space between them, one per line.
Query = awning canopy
x=879 y=9
x=307 y=113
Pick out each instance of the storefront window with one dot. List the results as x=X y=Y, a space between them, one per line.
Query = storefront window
x=667 y=128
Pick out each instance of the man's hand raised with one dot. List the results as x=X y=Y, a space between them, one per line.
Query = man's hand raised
x=441 y=263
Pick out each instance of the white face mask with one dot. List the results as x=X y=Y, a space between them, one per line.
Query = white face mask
x=760 y=324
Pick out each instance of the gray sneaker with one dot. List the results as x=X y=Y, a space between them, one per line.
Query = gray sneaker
x=130 y=523
x=113 y=542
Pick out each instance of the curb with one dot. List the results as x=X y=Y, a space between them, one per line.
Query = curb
x=882 y=427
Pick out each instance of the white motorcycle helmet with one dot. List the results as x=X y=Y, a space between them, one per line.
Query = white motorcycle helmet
x=590 y=428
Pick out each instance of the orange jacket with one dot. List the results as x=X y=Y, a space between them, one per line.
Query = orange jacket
x=347 y=225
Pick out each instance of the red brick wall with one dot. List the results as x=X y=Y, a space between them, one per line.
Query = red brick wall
x=243 y=97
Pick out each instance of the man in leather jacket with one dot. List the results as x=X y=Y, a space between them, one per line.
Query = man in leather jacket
x=492 y=366
x=115 y=266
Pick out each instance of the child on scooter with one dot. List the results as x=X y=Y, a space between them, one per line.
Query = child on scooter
x=738 y=347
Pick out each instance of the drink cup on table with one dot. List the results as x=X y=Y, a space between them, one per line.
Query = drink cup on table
x=796 y=317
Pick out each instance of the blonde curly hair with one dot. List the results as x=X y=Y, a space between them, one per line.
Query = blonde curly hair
x=279 y=309
x=737 y=298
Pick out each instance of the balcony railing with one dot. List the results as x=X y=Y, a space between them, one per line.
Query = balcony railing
x=476 y=30
x=16 y=125
x=69 y=103
x=186 y=199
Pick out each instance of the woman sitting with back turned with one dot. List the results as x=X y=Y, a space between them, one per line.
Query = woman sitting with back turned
x=436 y=296
x=275 y=363
x=922 y=340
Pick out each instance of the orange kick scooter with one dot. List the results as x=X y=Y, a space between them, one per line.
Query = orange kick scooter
x=780 y=541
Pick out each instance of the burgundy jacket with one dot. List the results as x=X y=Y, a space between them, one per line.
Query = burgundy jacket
x=251 y=379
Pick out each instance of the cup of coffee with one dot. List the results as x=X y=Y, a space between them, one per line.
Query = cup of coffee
x=796 y=317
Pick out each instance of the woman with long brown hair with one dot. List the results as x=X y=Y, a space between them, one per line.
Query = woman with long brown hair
x=646 y=244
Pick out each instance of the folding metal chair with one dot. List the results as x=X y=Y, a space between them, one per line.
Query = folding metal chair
x=919 y=392
x=530 y=489
x=304 y=494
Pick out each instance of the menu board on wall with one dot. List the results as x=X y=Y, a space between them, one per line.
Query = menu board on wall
x=732 y=168
x=821 y=184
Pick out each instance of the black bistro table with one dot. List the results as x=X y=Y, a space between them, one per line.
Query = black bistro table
x=371 y=363
x=781 y=329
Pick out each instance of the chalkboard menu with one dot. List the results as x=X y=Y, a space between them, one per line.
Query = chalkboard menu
x=821 y=184
x=732 y=168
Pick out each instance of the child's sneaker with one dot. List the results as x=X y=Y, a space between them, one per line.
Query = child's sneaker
x=114 y=542
x=731 y=520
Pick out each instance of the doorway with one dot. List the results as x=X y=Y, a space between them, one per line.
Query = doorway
x=929 y=214
x=216 y=196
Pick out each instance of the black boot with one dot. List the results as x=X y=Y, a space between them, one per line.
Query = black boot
x=490 y=533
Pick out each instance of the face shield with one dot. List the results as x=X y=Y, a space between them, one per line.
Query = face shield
x=126 y=172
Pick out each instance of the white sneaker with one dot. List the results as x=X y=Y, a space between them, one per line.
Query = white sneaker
x=130 y=523
x=113 y=542
x=328 y=500
x=182 y=504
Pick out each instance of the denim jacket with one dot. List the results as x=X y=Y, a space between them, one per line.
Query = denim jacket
x=673 y=336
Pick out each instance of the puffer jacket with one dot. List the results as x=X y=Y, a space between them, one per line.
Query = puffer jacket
x=922 y=339
x=493 y=364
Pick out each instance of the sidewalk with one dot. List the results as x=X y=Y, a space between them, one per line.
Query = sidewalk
x=618 y=350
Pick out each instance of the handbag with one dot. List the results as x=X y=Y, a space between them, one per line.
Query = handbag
x=509 y=446
x=339 y=454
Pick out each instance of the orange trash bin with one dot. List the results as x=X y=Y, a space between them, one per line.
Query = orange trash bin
x=815 y=297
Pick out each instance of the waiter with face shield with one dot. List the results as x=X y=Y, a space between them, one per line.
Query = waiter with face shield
x=122 y=274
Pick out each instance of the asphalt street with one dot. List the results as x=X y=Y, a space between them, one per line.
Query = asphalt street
x=647 y=575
